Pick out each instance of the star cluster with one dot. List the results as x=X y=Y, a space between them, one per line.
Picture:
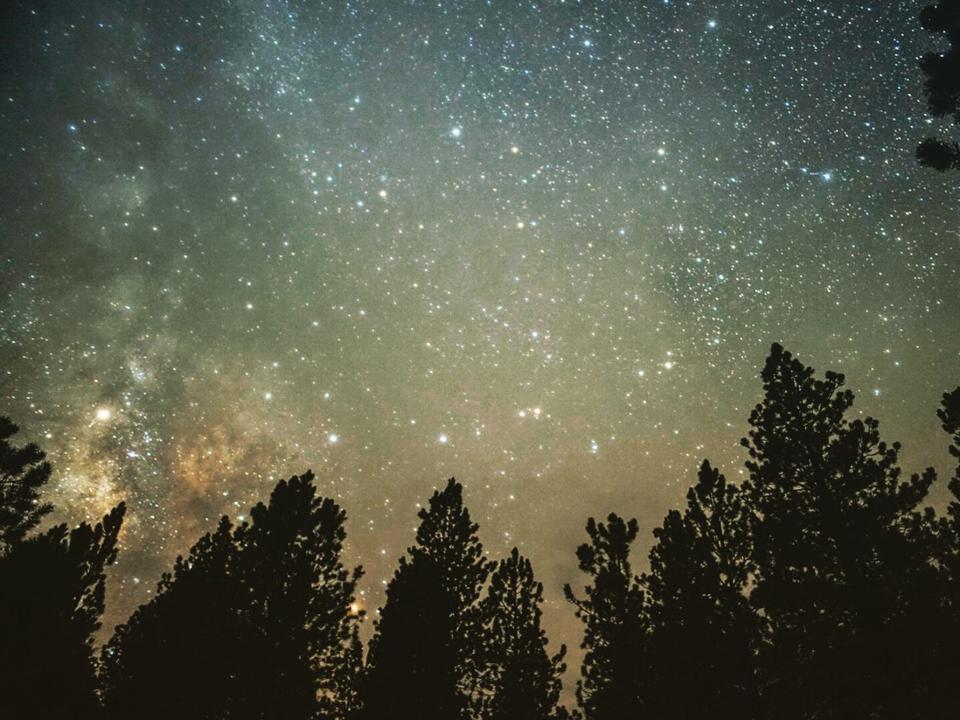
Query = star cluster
x=541 y=246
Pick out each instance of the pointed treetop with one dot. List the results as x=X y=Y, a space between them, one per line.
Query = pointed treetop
x=23 y=472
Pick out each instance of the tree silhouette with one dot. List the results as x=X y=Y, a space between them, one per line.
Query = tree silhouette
x=942 y=85
x=299 y=596
x=51 y=600
x=613 y=615
x=254 y=623
x=424 y=657
x=949 y=556
x=23 y=472
x=832 y=557
x=704 y=633
x=340 y=689
x=185 y=648
x=520 y=680
x=935 y=627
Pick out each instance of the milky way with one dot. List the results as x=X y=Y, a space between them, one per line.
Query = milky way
x=540 y=246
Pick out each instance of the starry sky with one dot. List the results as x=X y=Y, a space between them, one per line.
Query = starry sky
x=541 y=246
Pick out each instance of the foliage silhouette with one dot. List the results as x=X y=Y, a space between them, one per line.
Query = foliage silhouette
x=942 y=82
x=830 y=549
x=701 y=623
x=424 y=658
x=23 y=472
x=817 y=589
x=949 y=555
x=253 y=623
x=935 y=626
x=520 y=681
x=51 y=600
x=615 y=622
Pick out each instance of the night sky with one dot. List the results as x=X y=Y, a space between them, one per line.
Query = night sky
x=541 y=246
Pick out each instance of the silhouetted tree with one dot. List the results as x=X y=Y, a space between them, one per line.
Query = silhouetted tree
x=51 y=600
x=300 y=595
x=340 y=689
x=520 y=680
x=942 y=85
x=254 y=623
x=935 y=626
x=23 y=472
x=949 y=555
x=832 y=557
x=615 y=624
x=424 y=656
x=704 y=633
x=184 y=650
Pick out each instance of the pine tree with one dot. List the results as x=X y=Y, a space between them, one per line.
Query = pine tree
x=704 y=633
x=615 y=623
x=935 y=627
x=949 y=551
x=51 y=601
x=832 y=556
x=942 y=85
x=23 y=472
x=340 y=690
x=300 y=595
x=520 y=680
x=185 y=649
x=424 y=656
x=254 y=623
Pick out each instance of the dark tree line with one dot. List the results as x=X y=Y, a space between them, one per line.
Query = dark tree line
x=819 y=587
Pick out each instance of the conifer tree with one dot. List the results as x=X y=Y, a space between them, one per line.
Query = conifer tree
x=424 y=656
x=949 y=554
x=51 y=600
x=832 y=556
x=615 y=625
x=254 y=623
x=185 y=648
x=942 y=82
x=520 y=680
x=23 y=472
x=340 y=688
x=704 y=634
x=935 y=628
x=299 y=595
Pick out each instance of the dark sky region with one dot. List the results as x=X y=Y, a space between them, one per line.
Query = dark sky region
x=541 y=246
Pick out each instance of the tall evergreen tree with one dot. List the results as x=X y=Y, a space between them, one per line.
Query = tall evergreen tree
x=184 y=650
x=51 y=600
x=833 y=560
x=615 y=624
x=299 y=595
x=942 y=85
x=520 y=680
x=424 y=657
x=340 y=689
x=935 y=628
x=254 y=623
x=23 y=472
x=949 y=552
x=704 y=633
